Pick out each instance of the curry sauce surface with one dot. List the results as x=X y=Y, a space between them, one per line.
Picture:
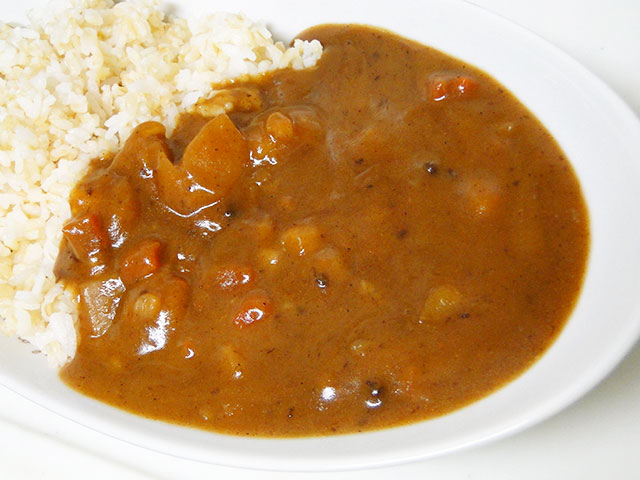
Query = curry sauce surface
x=378 y=240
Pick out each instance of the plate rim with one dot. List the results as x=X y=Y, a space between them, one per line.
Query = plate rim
x=320 y=464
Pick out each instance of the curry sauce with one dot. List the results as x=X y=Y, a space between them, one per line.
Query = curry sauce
x=378 y=240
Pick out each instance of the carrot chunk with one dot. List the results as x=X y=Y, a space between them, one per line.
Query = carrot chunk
x=87 y=238
x=445 y=86
x=438 y=90
x=187 y=348
x=464 y=85
x=255 y=307
x=144 y=261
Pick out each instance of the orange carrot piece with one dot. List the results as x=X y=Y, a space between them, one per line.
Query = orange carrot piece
x=86 y=237
x=438 y=90
x=255 y=307
x=442 y=87
x=187 y=348
x=144 y=261
x=464 y=85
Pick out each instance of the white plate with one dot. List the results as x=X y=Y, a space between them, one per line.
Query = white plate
x=601 y=137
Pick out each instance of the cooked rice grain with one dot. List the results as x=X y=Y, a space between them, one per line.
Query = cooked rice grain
x=73 y=85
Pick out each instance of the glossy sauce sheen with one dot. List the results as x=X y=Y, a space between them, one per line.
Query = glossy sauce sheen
x=379 y=240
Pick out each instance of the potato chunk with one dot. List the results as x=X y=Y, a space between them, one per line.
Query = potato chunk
x=483 y=196
x=210 y=165
x=147 y=306
x=215 y=157
x=441 y=302
x=301 y=239
x=279 y=126
x=331 y=263
x=145 y=145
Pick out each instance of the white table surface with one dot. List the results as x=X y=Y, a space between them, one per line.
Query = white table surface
x=596 y=438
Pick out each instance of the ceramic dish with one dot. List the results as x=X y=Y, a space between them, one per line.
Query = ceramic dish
x=600 y=136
